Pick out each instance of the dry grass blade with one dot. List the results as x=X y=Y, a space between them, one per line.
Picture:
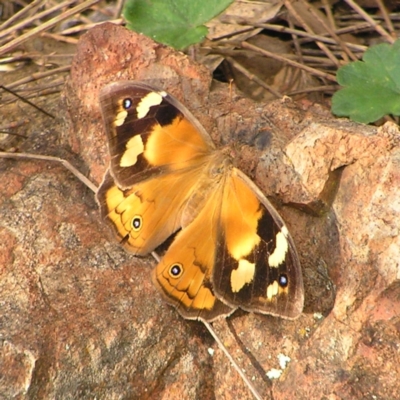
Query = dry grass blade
x=373 y=23
x=313 y=71
x=38 y=75
x=331 y=31
x=46 y=25
x=246 y=380
x=19 y=15
x=32 y=19
x=253 y=77
x=322 y=46
x=314 y=36
x=80 y=28
x=25 y=100
x=386 y=18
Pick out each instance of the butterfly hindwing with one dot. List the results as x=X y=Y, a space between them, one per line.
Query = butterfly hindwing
x=184 y=274
x=145 y=215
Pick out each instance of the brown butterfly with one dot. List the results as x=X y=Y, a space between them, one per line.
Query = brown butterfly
x=231 y=247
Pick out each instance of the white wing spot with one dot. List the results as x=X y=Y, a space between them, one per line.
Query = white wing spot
x=120 y=118
x=272 y=290
x=279 y=254
x=242 y=275
x=134 y=148
x=150 y=100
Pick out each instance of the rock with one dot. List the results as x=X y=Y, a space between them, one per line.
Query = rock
x=81 y=318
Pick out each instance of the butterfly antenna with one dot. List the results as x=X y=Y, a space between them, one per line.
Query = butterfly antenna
x=63 y=162
x=246 y=380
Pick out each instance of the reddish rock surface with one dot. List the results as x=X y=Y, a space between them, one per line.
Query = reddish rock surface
x=80 y=319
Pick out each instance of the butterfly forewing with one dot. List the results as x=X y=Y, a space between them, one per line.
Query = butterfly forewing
x=256 y=264
x=148 y=134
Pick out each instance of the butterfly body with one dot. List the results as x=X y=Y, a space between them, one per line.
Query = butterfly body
x=231 y=248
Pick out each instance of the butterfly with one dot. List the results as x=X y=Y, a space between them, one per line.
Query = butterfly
x=230 y=247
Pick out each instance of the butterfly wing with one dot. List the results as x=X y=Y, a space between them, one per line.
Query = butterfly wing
x=145 y=215
x=149 y=132
x=184 y=274
x=157 y=150
x=256 y=263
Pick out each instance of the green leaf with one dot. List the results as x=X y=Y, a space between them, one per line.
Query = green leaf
x=371 y=87
x=177 y=23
